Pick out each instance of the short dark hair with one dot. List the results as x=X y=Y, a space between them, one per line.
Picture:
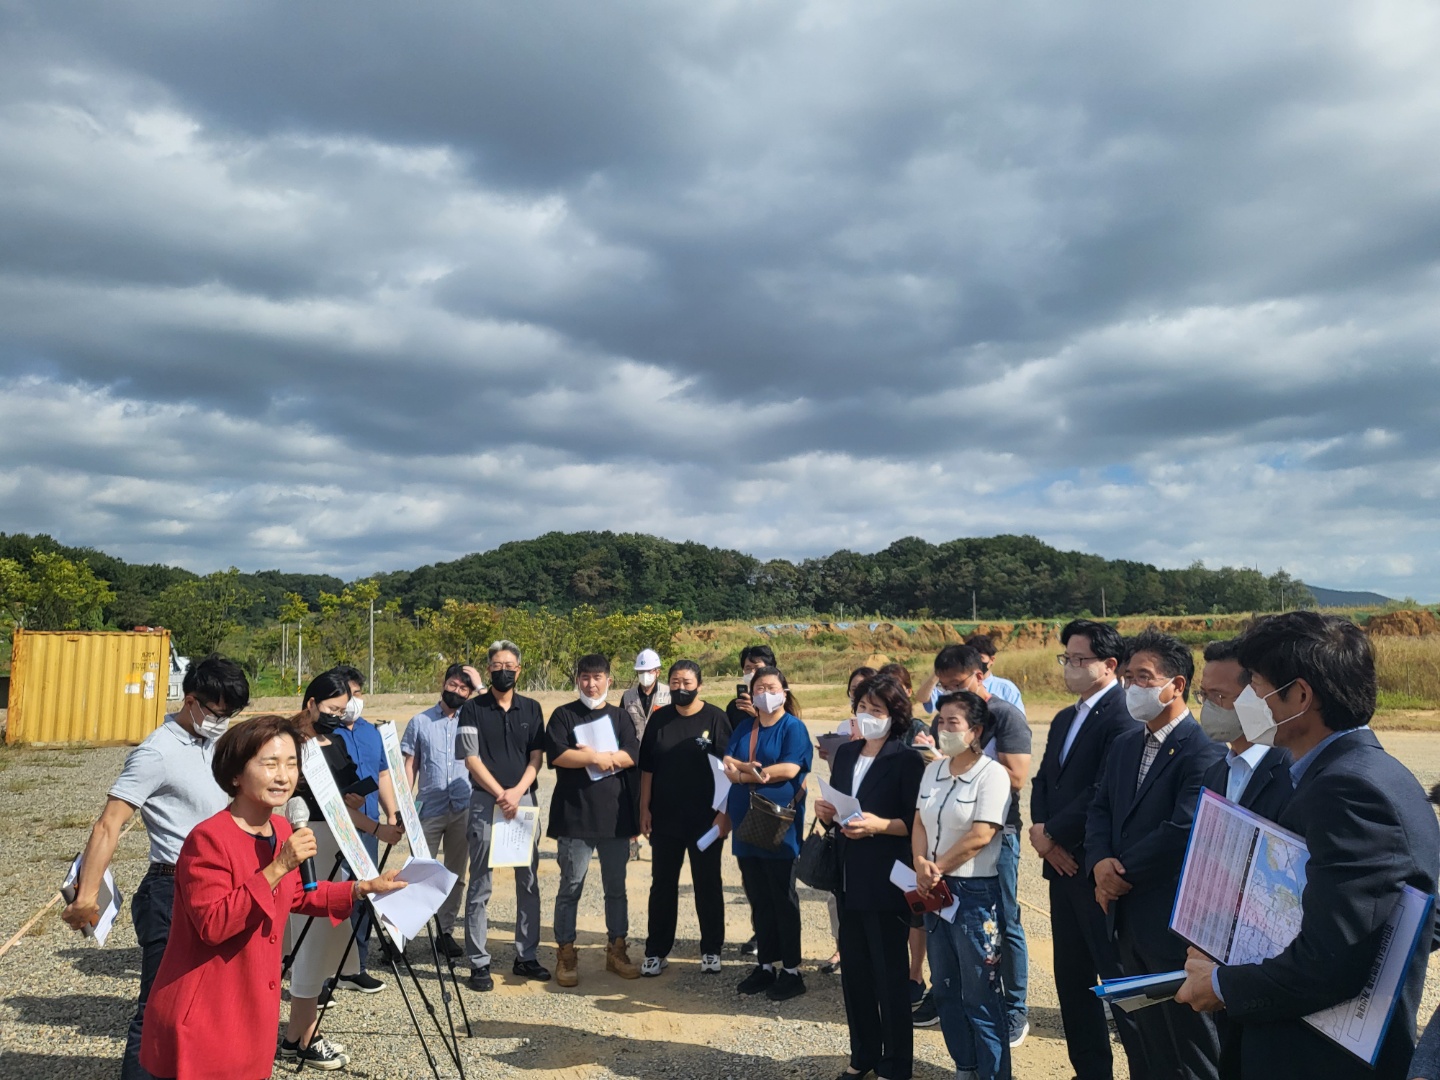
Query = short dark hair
x=352 y=674
x=1105 y=640
x=888 y=689
x=977 y=712
x=982 y=643
x=958 y=658
x=758 y=652
x=1174 y=655
x=592 y=664
x=686 y=665
x=326 y=685
x=864 y=674
x=241 y=742
x=457 y=671
x=1229 y=649
x=218 y=681
x=899 y=672
x=1330 y=653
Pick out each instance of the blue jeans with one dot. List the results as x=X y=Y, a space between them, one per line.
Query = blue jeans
x=965 y=978
x=1015 y=958
x=150 y=910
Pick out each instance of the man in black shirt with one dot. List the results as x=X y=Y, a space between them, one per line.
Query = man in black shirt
x=501 y=738
x=677 y=789
x=594 y=808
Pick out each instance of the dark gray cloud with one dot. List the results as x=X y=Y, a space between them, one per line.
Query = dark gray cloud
x=328 y=288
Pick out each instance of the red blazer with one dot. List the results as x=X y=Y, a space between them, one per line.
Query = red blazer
x=215 y=1005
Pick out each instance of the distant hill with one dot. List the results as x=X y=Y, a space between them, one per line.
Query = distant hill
x=1346 y=598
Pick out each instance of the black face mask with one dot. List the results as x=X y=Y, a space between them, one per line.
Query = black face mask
x=452 y=699
x=502 y=680
x=683 y=697
x=326 y=724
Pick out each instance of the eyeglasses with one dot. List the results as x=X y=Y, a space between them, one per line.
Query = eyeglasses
x=1066 y=660
x=1151 y=681
x=215 y=711
x=1217 y=698
x=505 y=666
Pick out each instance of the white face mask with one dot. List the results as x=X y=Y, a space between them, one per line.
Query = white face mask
x=951 y=743
x=1143 y=702
x=647 y=679
x=747 y=677
x=872 y=727
x=592 y=702
x=1256 y=719
x=766 y=703
x=1222 y=725
x=353 y=708
x=211 y=727
x=1079 y=679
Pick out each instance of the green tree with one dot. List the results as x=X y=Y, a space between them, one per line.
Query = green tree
x=200 y=614
x=53 y=593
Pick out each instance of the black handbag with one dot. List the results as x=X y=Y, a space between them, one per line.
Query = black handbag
x=819 y=863
x=766 y=822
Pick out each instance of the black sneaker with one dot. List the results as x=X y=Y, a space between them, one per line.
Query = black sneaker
x=761 y=978
x=750 y=948
x=480 y=980
x=787 y=985
x=362 y=981
x=449 y=947
x=925 y=1015
x=318 y=1055
x=531 y=969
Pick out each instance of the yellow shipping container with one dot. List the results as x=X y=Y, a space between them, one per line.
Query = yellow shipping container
x=100 y=688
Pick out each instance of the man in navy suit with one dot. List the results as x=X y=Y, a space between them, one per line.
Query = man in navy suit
x=1135 y=838
x=1370 y=832
x=1075 y=751
x=1251 y=774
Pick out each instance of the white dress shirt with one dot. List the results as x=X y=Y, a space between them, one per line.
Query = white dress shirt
x=1082 y=710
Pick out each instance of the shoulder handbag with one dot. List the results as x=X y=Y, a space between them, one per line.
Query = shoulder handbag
x=766 y=822
x=819 y=863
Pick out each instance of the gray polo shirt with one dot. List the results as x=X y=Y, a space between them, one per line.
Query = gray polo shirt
x=168 y=779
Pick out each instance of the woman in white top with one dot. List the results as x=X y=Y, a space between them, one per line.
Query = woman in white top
x=964 y=797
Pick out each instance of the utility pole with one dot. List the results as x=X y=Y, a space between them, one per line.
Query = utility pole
x=1103 y=613
x=299 y=651
x=973 y=609
x=372 y=647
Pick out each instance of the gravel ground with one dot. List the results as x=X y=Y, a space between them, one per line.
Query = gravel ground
x=66 y=1003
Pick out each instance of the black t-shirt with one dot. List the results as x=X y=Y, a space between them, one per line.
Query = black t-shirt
x=682 y=787
x=586 y=809
x=503 y=739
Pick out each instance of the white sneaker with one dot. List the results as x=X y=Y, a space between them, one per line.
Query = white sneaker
x=653 y=965
x=710 y=964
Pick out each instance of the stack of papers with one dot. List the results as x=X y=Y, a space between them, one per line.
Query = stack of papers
x=597 y=735
x=406 y=911
x=108 y=900
x=847 y=807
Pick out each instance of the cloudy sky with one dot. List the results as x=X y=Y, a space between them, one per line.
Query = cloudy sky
x=356 y=287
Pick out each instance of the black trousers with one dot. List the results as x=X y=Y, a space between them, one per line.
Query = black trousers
x=1084 y=954
x=1179 y=1042
x=875 y=981
x=667 y=855
x=775 y=908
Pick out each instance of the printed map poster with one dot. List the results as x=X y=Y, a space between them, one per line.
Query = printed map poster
x=414 y=831
x=337 y=814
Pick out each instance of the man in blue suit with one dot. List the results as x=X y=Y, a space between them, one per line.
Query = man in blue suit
x=1135 y=838
x=1370 y=832
x=1252 y=774
x=1080 y=739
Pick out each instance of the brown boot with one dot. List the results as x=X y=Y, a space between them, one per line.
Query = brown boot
x=567 y=966
x=618 y=960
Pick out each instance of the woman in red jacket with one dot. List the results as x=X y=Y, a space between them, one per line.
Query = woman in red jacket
x=215 y=1005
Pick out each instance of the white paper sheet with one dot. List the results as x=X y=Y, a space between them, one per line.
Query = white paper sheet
x=709 y=838
x=722 y=784
x=337 y=814
x=597 y=735
x=903 y=878
x=847 y=807
x=107 y=899
x=406 y=912
x=404 y=795
x=512 y=841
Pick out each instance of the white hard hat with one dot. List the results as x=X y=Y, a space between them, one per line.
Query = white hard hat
x=648 y=660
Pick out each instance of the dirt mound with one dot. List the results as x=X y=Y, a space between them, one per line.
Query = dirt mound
x=1403 y=624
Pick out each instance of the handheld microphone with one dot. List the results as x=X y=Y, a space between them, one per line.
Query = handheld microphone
x=298 y=814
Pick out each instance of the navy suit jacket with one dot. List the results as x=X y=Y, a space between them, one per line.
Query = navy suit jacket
x=1061 y=792
x=890 y=788
x=1370 y=831
x=1148 y=828
x=1268 y=791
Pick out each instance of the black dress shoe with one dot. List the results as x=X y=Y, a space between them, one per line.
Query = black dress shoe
x=480 y=980
x=786 y=986
x=531 y=969
x=761 y=978
x=449 y=947
x=750 y=948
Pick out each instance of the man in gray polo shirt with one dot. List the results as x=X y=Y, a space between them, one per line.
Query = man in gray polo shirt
x=168 y=779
